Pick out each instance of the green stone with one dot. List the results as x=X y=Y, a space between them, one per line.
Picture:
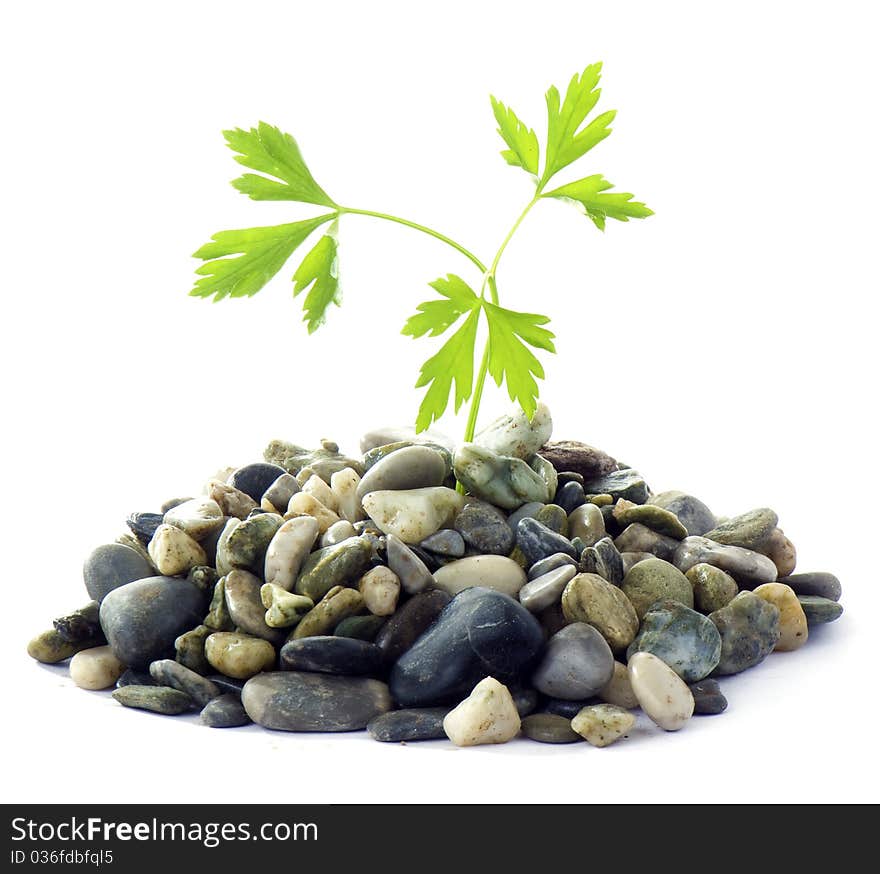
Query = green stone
x=590 y=598
x=283 y=608
x=324 y=461
x=360 y=627
x=218 y=618
x=655 y=518
x=501 y=480
x=549 y=728
x=554 y=517
x=338 y=604
x=338 y=565
x=157 y=699
x=713 y=588
x=190 y=649
x=653 y=580
x=750 y=530
x=819 y=610
x=246 y=545
x=50 y=647
x=749 y=628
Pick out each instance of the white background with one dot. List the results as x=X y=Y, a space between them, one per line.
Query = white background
x=726 y=346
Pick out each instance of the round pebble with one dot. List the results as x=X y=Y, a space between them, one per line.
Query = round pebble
x=662 y=694
x=95 y=668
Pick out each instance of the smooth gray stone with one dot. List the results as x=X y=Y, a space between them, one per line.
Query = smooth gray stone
x=570 y=496
x=819 y=583
x=445 y=542
x=415 y=723
x=254 y=479
x=168 y=672
x=691 y=512
x=413 y=467
x=332 y=655
x=525 y=700
x=537 y=541
x=111 y=566
x=628 y=484
x=225 y=711
x=819 y=610
x=744 y=565
x=749 y=530
x=142 y=619
x=484 y=528
x=577 y=663
x=409 y=622
x=281 y=491
x=546 y=590
x=566 y=709
x=299 y=701
x=708 y=700
x=529 y=510
x=549 y=728
x=411 y=570
x=545 y=565
x=640 y=538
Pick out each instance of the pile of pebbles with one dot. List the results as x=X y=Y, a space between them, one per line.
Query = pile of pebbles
x=508 y=586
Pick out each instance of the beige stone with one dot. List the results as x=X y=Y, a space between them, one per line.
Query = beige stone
x=239 y=655
x=174 y=552
x=95 y=668
x=662 y=694
x=318 y=489
x=618 y=690
x=304 y=504
x=487 y=716
x=344 y=484
x=602 y=724
x=380 y=588
x=289 y=548
x=792 y=619
x=490 y=571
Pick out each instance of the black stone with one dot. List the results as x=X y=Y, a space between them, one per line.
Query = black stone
x=708 y=700
x=537 y=541
x=360 y=627
x=141 y=620
x=819 y=583
x=227 y=685
x=568 y=476
x=610 y=559
x=134 y=678
x=484 y=528
x=612 y=526
x=111 y=566
x=144 y=525
x=570 y=496
x=225 y=712
x=568 y=709
x=526 y=700
x=327 y=654
x=409 y=622
x=625 y=483
x=819 y=610
x=254 y=479
x=81 y=625
x=417 y=723
x=480 y=633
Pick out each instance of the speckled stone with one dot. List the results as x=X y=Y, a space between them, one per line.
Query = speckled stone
x=819 y=610
x=189 y=649
x=654 y=579
x=157 y=699
x=588 y=523
x=304 y=504
x=549 y=728
x=413 y=514
x=324 y=461
x=708 y=700
x=198 y=517
x=218 y=618
x=819 y=583
x=484 y=528
x=577 y=662
x=662 y=694
x=749 y=531
x=340 y=565
x=793 y=631
x=781 y=551
x=628 y=484
x=245 y=603
x=696 y=517
x=515 y=435
x=409 y=622
x=713 y=588
x=603 y=559
x=234 y=503
x=749 y=628
x=590 y=598
x=247 y=543
x=587 y=461
x=487 y=716
x=380 y=588
x=413 y=724
x=225 y=711
x=748 y=568
x=685 y=640
x=83 y=624
x=111 y=566
x=602 y=724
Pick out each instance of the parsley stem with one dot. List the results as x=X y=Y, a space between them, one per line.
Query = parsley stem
x=343 y=210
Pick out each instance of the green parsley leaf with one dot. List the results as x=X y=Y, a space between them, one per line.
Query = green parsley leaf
x=523 y=142
x=599 y=206
x=268 y=150
x=435 y=316
x=319 y=273
x=565 y=142
x=260 y=254
x=510 y=359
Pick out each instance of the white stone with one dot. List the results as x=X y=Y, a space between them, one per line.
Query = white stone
x=95 y=668
x=487 y=716
x=381 y=589
x=317 y=488
x=303 y=504
x=602 y=724
x=413 y=514
x=288 y=549
x=198 y=517
x=546 y=590
x=514 y=435
x=489 y=571
x=232 y=501
x=337 y=532
x=662 y=694
x=283 y=608
x=174 y=552
x=344 y=484
x=222 y=563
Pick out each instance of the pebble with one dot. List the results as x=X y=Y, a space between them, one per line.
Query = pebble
x=588 y=523
x=819 y=583
x=300 y=701
x=111 y=566
x=602 y=724
x=793 y=631
x=239 y=655
x=332 y=655
x=587 y=461
x=141 y=620
x=409 y=622
x=304 y=504
x=245 y=604
x=591 y=599
x=685 y=640
x=222 y=562
x=173 y=551
x=344 y=484
x=640 y=538
x=413 y=467
x=631 y=559
x=378 y=453
x=545 y=590
x=380 y=588
x=412 y=572
x=254 y=479
x=549 y=728
x=321 y=491
x=484 y=528
x=713 y=588
x=744 y=565
x=515 y=435
x=487 y=716
x=696 y=517
x=203 y=577
x=654 y=579
x=247 y=543
x=651 y=516
x=749 y=628
x=403 y=726
x=628 y=484
x=537 y=541
x=288 y=549
x=413 y=514
x=708 y=700
x=553 y=517
x=530 y=510
x=662 y=694
x=479 y=633
x=189 y=649
x=501 y=480
x=618 y=690
x=157 y=699
x=603 y=559
x=750 y=530
x=566 y=709
x=83 y=624
x=95 y=668
x=545 y=565
x=324 y=461
x=283 y=609
x=360 y=627
x=225 y=711
x=144 y=525
x=448 y=543
x=338 y=604
x=487 y=571
x=781 y=551
x=276 y=498
x=198 y=517
x=231 y=501
x=576 y=664
x=337 y=532
x=339 y=565
x=570 y=496
x=819 y=610
x=167 y=672
x=218 y=617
